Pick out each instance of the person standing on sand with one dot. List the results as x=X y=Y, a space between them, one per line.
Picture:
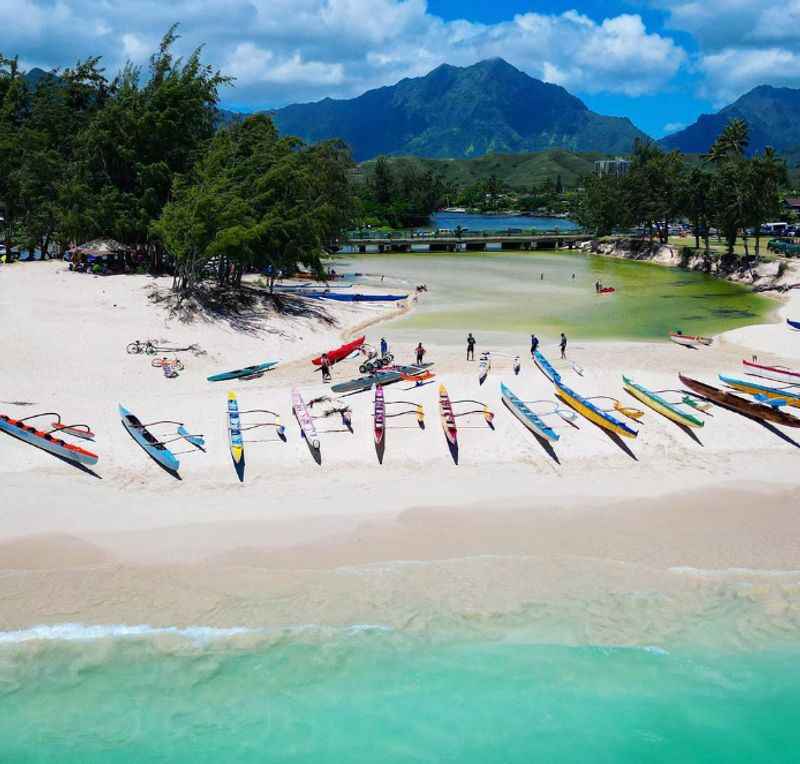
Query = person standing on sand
x=325 y=365
x=534 y=343
x=470 y=347
x=563 y=345
x=384 y=347
x=420 y=354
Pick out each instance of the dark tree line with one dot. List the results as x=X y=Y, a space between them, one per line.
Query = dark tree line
x=725 y=190
x=138 y=158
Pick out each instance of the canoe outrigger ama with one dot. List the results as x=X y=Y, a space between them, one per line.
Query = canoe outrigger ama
x=380 y=415
x=155 y=447
x=45 y=440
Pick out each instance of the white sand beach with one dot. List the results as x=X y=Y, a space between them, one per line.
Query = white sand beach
x=508 y=525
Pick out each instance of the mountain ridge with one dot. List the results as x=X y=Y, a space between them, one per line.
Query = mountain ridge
x=460 y=112
x=771 y=113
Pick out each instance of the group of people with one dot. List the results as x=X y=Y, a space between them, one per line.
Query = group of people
x=534 y=345
x=326 y=363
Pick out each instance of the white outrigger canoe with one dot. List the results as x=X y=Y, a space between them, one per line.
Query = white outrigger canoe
x=304 y=419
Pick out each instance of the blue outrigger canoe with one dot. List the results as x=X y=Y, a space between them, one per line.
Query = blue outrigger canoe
x=546 y=368
x=148 y=441
x=529 y=418
x=247 y=371
x=356 y=297
x=793 y=324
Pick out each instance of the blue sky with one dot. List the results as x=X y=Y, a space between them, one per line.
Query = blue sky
x=659 y=62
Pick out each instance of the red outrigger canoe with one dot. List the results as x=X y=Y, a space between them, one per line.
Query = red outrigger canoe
x=46 y=441
x=379 y=415
x=340 y=353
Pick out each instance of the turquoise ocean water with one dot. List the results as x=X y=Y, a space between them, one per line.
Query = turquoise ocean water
x=372 y=695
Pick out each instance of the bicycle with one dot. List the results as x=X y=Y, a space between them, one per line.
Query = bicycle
x=142 y=346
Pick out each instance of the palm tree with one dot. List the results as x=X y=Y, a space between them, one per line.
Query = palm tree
x=731 y=142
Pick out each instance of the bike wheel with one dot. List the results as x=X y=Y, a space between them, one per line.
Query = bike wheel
x=362 y=369
x=150 y=348
x=134 y=347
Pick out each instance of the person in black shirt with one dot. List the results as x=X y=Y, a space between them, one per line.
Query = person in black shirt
x=470 y=347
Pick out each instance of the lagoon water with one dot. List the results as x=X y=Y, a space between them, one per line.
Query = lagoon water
x=470 y=222
x=369 y=695
x=508 y=296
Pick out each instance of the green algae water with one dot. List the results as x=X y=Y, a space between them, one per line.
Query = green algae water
x=371 y=695
x=513 y=294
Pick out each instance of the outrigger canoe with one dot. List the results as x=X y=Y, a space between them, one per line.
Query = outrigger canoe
x=235 y=441
x=775 y=373
x=340 y=353
x=792 y=398
x=688 y=340
x=661 y=405
x=379 y=415
x=247 y=371
x=545 y=367
x=591 y=412
x=305 y=420
x=356 y=297
x=148 y=441
x=447 y=416
x=529 y=418
x=386 y=376
x=793 y=324
x=738 y=404
x=46 y=441
x=483 y=367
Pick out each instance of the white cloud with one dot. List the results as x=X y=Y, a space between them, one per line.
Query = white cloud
x=291 y=50
x=742 y=43
x=673 y=127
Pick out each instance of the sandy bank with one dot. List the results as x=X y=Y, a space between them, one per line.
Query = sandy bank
x=351 y=540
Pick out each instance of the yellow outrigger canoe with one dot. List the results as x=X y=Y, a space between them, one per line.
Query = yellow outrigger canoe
x=659 y=404
x=792 y=397
x=595 y=415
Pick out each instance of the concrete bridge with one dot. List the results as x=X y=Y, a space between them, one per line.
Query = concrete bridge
x=467 y=241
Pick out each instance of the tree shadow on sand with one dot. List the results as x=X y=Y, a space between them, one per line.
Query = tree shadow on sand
x=245 y=309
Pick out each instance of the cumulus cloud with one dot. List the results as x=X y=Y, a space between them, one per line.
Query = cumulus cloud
x=292 y=50
x=742 y=43
x=673 y=127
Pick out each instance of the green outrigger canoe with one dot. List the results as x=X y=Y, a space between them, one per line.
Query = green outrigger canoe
x=659 y=404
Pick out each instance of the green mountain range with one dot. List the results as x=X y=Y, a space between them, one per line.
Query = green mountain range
x=453 y=112
x=772 y=114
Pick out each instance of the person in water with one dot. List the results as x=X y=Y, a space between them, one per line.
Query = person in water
x=597 y=286
x=470 y=347
x=563 y=345
x=325 y=365
x=534 y=343
x=420 y=354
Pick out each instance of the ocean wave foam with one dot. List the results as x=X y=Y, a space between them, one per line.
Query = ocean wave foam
x=78 y=632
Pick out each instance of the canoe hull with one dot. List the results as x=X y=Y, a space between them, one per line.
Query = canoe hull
x=545 y=367
x=738 y=404
x=248 y=371
x=379 y=416
x=305 y=420
x=528 y=418
x=793 y=324
x=147 y=441
x=775 y=373
x=52 y=445
x=752 y=388
x=688 y=340
x=357 y=297
x=661 y=406
x=235 y=440
x=340 y=353
x=589 y=411
x=447 y=416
